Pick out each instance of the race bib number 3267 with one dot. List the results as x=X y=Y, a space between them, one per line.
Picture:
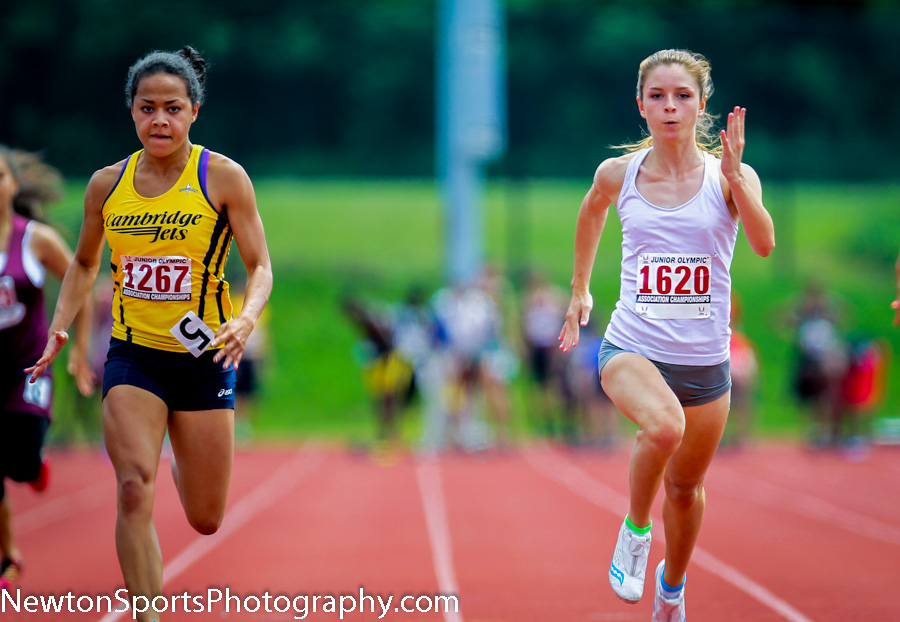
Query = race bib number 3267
x=156 y=278
x=673 y=286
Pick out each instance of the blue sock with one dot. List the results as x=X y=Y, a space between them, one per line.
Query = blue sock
x=668 y=591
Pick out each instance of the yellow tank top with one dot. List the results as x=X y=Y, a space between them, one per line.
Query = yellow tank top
x=168 y=257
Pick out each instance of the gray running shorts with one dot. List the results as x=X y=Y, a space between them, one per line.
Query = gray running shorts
x=693 y=385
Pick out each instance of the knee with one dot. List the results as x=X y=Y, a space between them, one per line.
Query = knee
x=666 y=432
x=683 y=495
x=206 y=523
x=135 y=495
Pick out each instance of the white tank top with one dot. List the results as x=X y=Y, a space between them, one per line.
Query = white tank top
x=675 y=301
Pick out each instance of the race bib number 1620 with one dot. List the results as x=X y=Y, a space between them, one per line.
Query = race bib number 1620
x=673 y=286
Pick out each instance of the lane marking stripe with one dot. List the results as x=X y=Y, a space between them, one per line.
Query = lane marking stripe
x=62 y=508
x=260 y=498
x=428 y=476
x=576 y=480
x=808 y=506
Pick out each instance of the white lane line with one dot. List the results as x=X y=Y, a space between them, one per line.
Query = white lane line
x=806 y=505
x=429 y=477
x=576 y=480
x=62 y=508
x=256 y=501
x=747 y=585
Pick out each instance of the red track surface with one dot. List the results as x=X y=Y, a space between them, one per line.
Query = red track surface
x=789 y=535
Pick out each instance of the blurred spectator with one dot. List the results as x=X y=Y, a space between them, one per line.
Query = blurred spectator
x=248 y=375
x=479 y=362
x=545 y=309
x=820 y=359
x=862 y=390
x=744 y=379
x=419 y=337
x=414 y=336
x=592 y=420
x=469 y=320
x=387 y=372
x=501 y=363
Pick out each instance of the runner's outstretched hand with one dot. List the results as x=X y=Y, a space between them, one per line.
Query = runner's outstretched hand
x=55 y=344
x=578 y=313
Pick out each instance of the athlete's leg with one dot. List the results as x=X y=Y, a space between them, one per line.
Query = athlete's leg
x=495 y=390
x=203 y=445
x=20 y=461
x=134 y=425
x=638 y=390
x=685 y=498
x=8 y=548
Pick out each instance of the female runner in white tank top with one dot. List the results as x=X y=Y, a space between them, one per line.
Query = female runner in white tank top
x=680 y=196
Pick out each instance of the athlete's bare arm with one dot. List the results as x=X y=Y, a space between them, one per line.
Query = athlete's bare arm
x=82 y=271
x=604 y=191
x=230 y=189
x=54 y=254
x=743 y=190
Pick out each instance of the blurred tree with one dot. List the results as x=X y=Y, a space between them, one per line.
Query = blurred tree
x=345 y=87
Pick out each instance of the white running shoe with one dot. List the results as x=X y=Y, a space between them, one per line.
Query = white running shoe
x=665 y=610
x=629 y=564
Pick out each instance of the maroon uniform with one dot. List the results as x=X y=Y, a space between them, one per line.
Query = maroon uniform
x=23 y=325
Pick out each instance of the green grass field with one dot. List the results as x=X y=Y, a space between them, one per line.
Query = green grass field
x=376 y=238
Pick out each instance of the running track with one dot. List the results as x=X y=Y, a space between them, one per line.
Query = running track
x=790 y=535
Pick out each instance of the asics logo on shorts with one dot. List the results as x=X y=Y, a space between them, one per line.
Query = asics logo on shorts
x=225 y=392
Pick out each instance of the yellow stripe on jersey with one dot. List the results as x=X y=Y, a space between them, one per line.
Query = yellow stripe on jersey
x=168 y=256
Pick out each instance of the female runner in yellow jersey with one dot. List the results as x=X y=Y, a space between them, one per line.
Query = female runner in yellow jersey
x=168 y=212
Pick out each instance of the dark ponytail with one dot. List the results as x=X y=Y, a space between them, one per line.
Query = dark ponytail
x=197 y=62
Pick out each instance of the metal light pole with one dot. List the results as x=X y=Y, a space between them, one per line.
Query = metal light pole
x=470 y=122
